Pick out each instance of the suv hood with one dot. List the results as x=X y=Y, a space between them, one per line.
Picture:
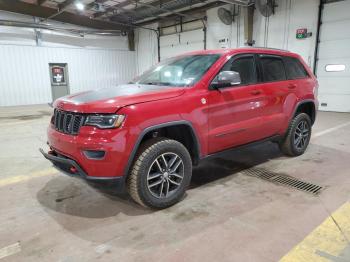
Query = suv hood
x=109 y=100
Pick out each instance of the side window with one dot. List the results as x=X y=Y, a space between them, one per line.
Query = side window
x=294 y=68
x=272 y=68
x=245 y=66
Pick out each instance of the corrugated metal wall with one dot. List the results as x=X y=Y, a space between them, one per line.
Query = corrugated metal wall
x=24 y=71
x=26 y=36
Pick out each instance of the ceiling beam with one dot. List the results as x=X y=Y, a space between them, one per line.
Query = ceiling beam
x=66 y=17
x=61 y=8
x=124 y=12
x=120 y=5
x=186 y=12
x=65 y=4
x=41 y=2
x=155 y=9
x=239 y=2
x=125 y=3
x=165 y=10
x=92 y=4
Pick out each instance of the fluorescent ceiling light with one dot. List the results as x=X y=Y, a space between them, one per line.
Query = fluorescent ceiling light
x=79 y=6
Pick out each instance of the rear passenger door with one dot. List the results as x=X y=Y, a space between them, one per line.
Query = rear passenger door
x=274 y=84
x=298 y=78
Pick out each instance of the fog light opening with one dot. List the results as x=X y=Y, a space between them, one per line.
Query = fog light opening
x=94 y=154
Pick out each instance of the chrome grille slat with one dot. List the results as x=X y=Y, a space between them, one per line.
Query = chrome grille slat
x=60 y=124
x=68 y=122
x=64 y=123
x=55 y=117
x=59 y=120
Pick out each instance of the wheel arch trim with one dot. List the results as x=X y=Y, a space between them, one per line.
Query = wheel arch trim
x=155 y=127
x=300 y=103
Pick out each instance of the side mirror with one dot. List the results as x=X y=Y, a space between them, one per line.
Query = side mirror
x=226 y=79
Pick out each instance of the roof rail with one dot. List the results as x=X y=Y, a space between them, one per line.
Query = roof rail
x=270 y=48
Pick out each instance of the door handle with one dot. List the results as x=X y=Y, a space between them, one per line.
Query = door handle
x=256 y=92
x=292 y=86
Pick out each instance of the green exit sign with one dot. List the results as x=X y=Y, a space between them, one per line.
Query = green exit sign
x=302 y=33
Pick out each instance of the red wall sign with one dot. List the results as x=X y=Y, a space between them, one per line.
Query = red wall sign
x=58 y=76
x=301 y=33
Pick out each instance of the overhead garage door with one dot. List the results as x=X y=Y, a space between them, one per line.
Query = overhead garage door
x=176 y=44
x=333 y=67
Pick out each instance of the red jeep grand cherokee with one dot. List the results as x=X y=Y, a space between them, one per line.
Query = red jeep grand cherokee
x=146 y=135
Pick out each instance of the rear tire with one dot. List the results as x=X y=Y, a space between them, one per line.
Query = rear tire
x=160 y=174
x=298 y=136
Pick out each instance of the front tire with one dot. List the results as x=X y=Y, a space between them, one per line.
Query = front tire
x=161 y=173
x=298 y=136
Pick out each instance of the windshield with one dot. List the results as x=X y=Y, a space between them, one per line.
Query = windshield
x=178 y=71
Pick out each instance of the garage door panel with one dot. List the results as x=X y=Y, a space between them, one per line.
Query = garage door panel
x=192 y=36
x=173 y=45
x=334 y=49
x=169 y=40
x=334 y=53
x=334 y=86
x=194 y=46
x=333 y=75
x=337 y=103
x=169 y=51
x=336 y=11
x=197 y=24
x=335 y=30
x=323 y=63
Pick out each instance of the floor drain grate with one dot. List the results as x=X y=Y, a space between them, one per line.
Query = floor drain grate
x=284 y=180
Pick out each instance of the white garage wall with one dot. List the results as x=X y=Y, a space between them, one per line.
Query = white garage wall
x=93 y=62
x=217 y=30
x=281 y=30
x=289 y=16
x=24 y=71
x=146 y=46
x=26 y=36
x=282 y=26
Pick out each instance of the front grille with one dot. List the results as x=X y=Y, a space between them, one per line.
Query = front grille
x=67 y=122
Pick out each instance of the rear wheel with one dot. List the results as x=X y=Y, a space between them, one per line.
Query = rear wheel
x=298 y=136
x=160 y=174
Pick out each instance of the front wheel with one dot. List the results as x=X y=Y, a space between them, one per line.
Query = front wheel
x=161 y=173
x=298 y=136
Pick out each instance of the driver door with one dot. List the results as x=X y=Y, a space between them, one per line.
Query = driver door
x=235 y=112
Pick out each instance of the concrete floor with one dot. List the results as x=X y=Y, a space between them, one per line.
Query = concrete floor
x=226 y=215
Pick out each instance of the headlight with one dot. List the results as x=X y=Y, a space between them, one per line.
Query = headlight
x=105 y=121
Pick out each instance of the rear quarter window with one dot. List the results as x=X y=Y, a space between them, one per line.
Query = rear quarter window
x=294 y=68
